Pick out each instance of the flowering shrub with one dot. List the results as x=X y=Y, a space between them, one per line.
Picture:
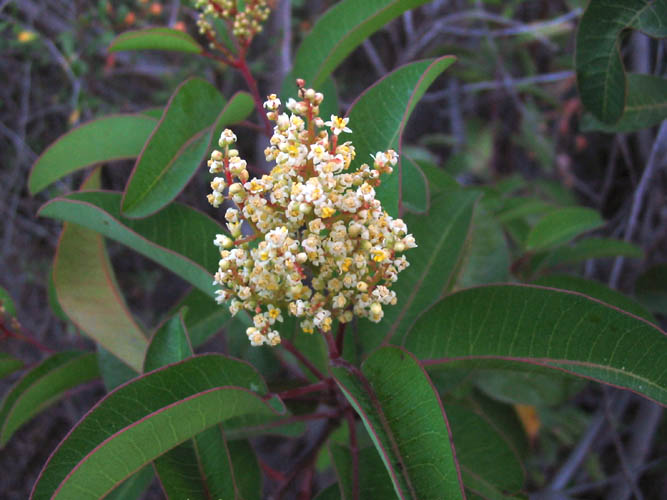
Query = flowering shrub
x=359 y=270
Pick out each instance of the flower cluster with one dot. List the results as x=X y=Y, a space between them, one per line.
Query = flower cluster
x=317 y=244
x=244 y=24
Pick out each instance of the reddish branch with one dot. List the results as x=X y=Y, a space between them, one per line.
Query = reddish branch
x=298 y=355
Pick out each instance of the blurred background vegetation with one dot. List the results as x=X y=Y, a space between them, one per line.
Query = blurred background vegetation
x=506 y=117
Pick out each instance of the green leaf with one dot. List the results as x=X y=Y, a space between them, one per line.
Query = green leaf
x=601 y=76
x=87 y=291
x=525 y=387
x=331 y=492
x=589 y=248
x=118 y=137
x=9 y=364
x=169 y=344
x=487 y=257
x=133 y=487
x=487 y=460
x=178 y=237
x=155 y=39
x=646 y=106
x=7 y=304
x=433 y=265
x=597 y=291
x=175 y=149
x=52 y=296
x=518 y=207
x=416 y=196
x=651 y=288
x=405 y=419
x=203 y=467
x=379 y=116
x=336 y=34
x=561 y=226
x=145 y=418
x=204 y=317
x=547 y=327
x=373 y=478
x=114 y=371
x=43 y=386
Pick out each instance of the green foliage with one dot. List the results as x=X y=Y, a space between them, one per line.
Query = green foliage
x=106 y=139
x=388 y=105
x=42 y=386
x=126 y=422
x=88 y=294
x=178 y=144
x=606 y=90
x=337 y=33
x=158 y=237
x=155 y=39
x=561 y=226
x=391 y=393
x=550 y=328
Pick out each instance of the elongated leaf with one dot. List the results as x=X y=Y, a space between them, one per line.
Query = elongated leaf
x=337 y=33
x=379 y=116
x=179 y=237
x=7 y=304
x=601 y=76
x=527 y=388
x=116 y=137
x=204 y=317
x=175 y=149
x=203 y=467
x=143 y=419
x=331 y=492
x=487 y=459
x=88 y=293
x=9 y=364
x=432 y=265
x=405 y=419
x=133 y=487
x=561 y=226
x=373 y=479
x=596 y=290
x=520 y=207
x=416 y=195
x=589 y=248
x=114 y=371
x=169 y=344
x=155 y=39
x=487 y=258
x=43 y=386
x=646 y=106
x=651 y=288
x=546 y=327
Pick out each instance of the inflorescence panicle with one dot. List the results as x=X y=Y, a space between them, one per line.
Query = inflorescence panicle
x=309 y=239
x=244 y=23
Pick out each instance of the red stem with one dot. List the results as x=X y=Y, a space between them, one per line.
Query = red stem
x=6 y=332
x=334 y=353
x=300 y=391
x=274 y=474
x=340 y=337
x=297 y=354
x=242 y=66
x=307 y=484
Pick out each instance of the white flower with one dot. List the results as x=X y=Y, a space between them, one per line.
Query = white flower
x=338 y=125
x=272 y=102
x=227 y=138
